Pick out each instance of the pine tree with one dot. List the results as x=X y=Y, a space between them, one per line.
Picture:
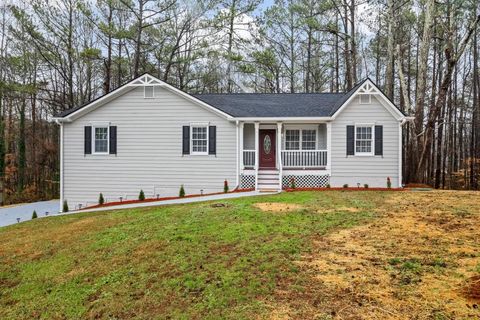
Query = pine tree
x=181 y=194
x=141 y=196
x=34 y=215
x=101 y=200
x=225 y=186
x=65 y=206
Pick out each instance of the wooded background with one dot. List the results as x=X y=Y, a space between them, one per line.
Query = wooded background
x=423 y=54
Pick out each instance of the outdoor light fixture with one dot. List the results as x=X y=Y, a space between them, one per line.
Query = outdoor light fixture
x=18 y=219
x=201 y=192
x=120 y=199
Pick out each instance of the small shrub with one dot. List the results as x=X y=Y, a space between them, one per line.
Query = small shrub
x=181 y=194
x=389 y=183
x=345 y=185
x=65 y=206
x=225 y=186
x=141 y=196
x=34 y=215
x=365 y=185
x=292 y=183
x=328 y=185
x=101 y=200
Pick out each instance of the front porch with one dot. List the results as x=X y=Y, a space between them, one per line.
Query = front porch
x=275 y=155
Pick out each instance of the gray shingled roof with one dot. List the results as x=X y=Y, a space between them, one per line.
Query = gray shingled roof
x=278 y=104
x=270 y=104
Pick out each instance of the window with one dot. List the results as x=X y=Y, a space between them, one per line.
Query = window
x=148 y=92
x=199 y=139
x=309 y=139
x=100 y=140
x=365 y=99
x=292 y=139
x=363 y=140
x=300 y=139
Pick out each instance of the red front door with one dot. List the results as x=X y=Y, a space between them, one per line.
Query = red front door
x=267 y=148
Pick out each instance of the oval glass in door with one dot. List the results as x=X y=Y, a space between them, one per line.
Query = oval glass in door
x=267 y=144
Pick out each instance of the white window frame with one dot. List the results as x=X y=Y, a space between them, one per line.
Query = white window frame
x=301 y=137
x=145 y=92
x=372 y=151
x=198 y=125
x=360 y=95
x=107 y=126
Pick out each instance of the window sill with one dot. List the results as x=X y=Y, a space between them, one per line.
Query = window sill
x=364 y=155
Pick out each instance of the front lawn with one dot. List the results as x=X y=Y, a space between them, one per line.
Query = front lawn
x=259 y=257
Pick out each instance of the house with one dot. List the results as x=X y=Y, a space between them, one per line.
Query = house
x=152 y=136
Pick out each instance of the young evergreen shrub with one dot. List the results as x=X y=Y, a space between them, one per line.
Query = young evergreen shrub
x=65 y=206
x=181 y=194
x=141 y=195
x=328 y=185
x=101 y=200
x=34 y=215
x=345 y=185
x=292 y=183
x=389 y=183
x=365 y=186
x=225 y=186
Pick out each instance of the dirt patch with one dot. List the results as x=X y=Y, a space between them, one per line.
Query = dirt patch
x=411 y=262
x=472 y=289
x=277 y=206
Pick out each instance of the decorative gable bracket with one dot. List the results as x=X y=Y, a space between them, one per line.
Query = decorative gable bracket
x=145 y=80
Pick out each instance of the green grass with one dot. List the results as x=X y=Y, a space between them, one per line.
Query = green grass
x=184 y=262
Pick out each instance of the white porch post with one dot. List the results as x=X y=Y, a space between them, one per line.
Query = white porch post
x=279 y=154
x=329 y=147
x=257 y=152
x=242 y=124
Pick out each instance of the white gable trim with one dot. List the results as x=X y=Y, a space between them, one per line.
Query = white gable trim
x=142 y=81
x=368 y=87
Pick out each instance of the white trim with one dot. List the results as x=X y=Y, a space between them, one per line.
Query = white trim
x=400 y=155
x=95 y=126
x=198 y=125
x=276 y=119
x=257 y=153
x=61 y=168
x=329 y=146
x=242 y=133
x=144 y=80
x=279 y=155
x=237 y=165
x=372 y=146
x=372 y=90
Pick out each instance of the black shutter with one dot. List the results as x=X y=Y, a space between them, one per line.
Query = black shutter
x=87 y=149
x=212 y=140
x=113 y=140
x=186 y=140
x=350 y=140
x=379 y=140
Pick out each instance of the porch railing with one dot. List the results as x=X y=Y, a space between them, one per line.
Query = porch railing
x=304 y=158
x=249 y=158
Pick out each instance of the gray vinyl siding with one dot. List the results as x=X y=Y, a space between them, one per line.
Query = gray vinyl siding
x=149 y=151
x=372 y=170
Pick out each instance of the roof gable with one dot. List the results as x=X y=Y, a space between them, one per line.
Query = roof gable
x=141 y=81
x=368 y=87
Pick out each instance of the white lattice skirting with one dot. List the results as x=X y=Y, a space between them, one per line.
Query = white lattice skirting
x=306 y=181
x=247 y=181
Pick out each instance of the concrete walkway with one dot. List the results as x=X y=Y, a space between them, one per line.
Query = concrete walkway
x=10 y=214
x=176 y=201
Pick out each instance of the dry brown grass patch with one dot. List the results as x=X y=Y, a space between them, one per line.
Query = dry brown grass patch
x=277 y=206
x=411 y=263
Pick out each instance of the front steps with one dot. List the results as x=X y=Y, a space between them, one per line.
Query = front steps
x=268 y=180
